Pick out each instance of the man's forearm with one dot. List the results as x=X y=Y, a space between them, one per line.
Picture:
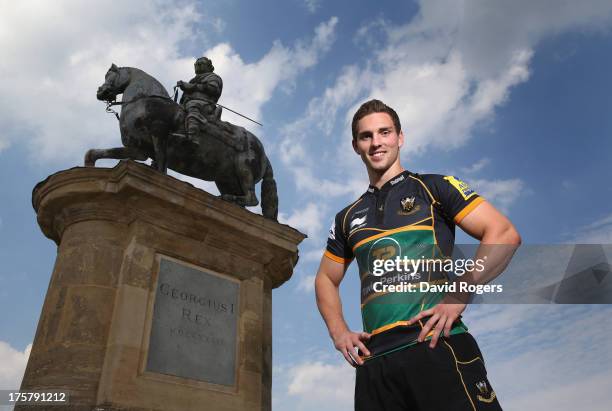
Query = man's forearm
x=330 y=306
x=494 y=252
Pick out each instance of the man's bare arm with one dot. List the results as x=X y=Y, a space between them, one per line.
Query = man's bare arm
x=498 y=237
x=498 y=242
x=487 y=224
x=327 y=283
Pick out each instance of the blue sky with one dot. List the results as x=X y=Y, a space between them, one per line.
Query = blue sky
x=514 y=97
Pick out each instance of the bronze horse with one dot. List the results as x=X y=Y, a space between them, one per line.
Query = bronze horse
x=152 y=126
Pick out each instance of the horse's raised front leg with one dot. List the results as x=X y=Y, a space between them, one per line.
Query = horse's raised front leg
x=118 y=153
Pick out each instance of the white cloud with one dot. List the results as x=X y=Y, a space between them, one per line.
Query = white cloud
x=371 y=34
x=438 y=100
x=322 y=385
x=488 y=33
x=320 y=380
x=53 y=67
x=312 y=5
x=208 y=186
x=598 y=232
x=312 y=255
x=589 y=393
x=318 y=123
x=12 y=365
x=477 y=166
x=445 y=72
x=531 y=365
x=491 y=318
x=305 y=180
x=321 y=114
x=250 y=85
x=530 y=360
x=306 y=283
x=219 y=24
x=4 y=144
x=307 y=219
x=501 y=193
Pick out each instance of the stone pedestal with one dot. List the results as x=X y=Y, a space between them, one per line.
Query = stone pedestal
x=161 y=294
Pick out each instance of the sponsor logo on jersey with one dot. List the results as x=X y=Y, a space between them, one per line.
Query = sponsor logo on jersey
x=358 y=222
x=363 y=210
x=385 y=248
x=332 y=231
x=397 y=180
x=464 y=189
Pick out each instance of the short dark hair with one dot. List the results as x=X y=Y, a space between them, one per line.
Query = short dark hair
x=374 y=106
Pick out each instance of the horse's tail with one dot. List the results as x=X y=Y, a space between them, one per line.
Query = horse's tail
x=269 y=197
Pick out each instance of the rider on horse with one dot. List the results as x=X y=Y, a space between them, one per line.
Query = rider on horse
x=151 y=126
x=200 y=96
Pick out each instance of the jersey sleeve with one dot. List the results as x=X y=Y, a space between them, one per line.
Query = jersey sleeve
x=456 y=197
x=337 y=248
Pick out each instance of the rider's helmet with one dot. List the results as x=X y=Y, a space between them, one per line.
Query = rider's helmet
x=204 y=65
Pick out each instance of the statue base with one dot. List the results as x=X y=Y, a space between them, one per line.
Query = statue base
x=161 y=294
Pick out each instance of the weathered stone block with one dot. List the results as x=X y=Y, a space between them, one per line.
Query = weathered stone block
x=129 y=237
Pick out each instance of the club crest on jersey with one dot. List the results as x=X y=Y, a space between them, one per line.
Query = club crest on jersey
x=358 y=222
x=464 y=189
x=483 y=390
x=407 y=206
x=482 y=387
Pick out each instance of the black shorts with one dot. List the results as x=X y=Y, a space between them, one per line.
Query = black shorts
x=449 y=377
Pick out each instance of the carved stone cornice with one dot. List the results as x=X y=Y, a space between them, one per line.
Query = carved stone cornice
x=132 y=192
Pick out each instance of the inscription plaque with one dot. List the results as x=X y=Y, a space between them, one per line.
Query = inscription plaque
x=195 y=320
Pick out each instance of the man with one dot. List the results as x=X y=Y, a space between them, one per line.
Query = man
x=200 y=95
x=415 y=351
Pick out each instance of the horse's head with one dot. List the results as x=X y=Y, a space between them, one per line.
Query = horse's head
x=115 y=81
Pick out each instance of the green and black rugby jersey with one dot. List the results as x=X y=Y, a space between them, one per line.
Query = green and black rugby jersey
x=411 y=216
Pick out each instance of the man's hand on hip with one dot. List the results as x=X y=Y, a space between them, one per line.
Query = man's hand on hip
x=347 y=341
x=442 y=318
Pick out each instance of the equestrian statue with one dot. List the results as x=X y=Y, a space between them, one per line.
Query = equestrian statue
x=189 y=138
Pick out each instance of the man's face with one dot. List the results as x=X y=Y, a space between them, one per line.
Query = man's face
x=377 y=142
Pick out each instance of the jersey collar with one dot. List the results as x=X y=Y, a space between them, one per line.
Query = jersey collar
x=391 y=183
